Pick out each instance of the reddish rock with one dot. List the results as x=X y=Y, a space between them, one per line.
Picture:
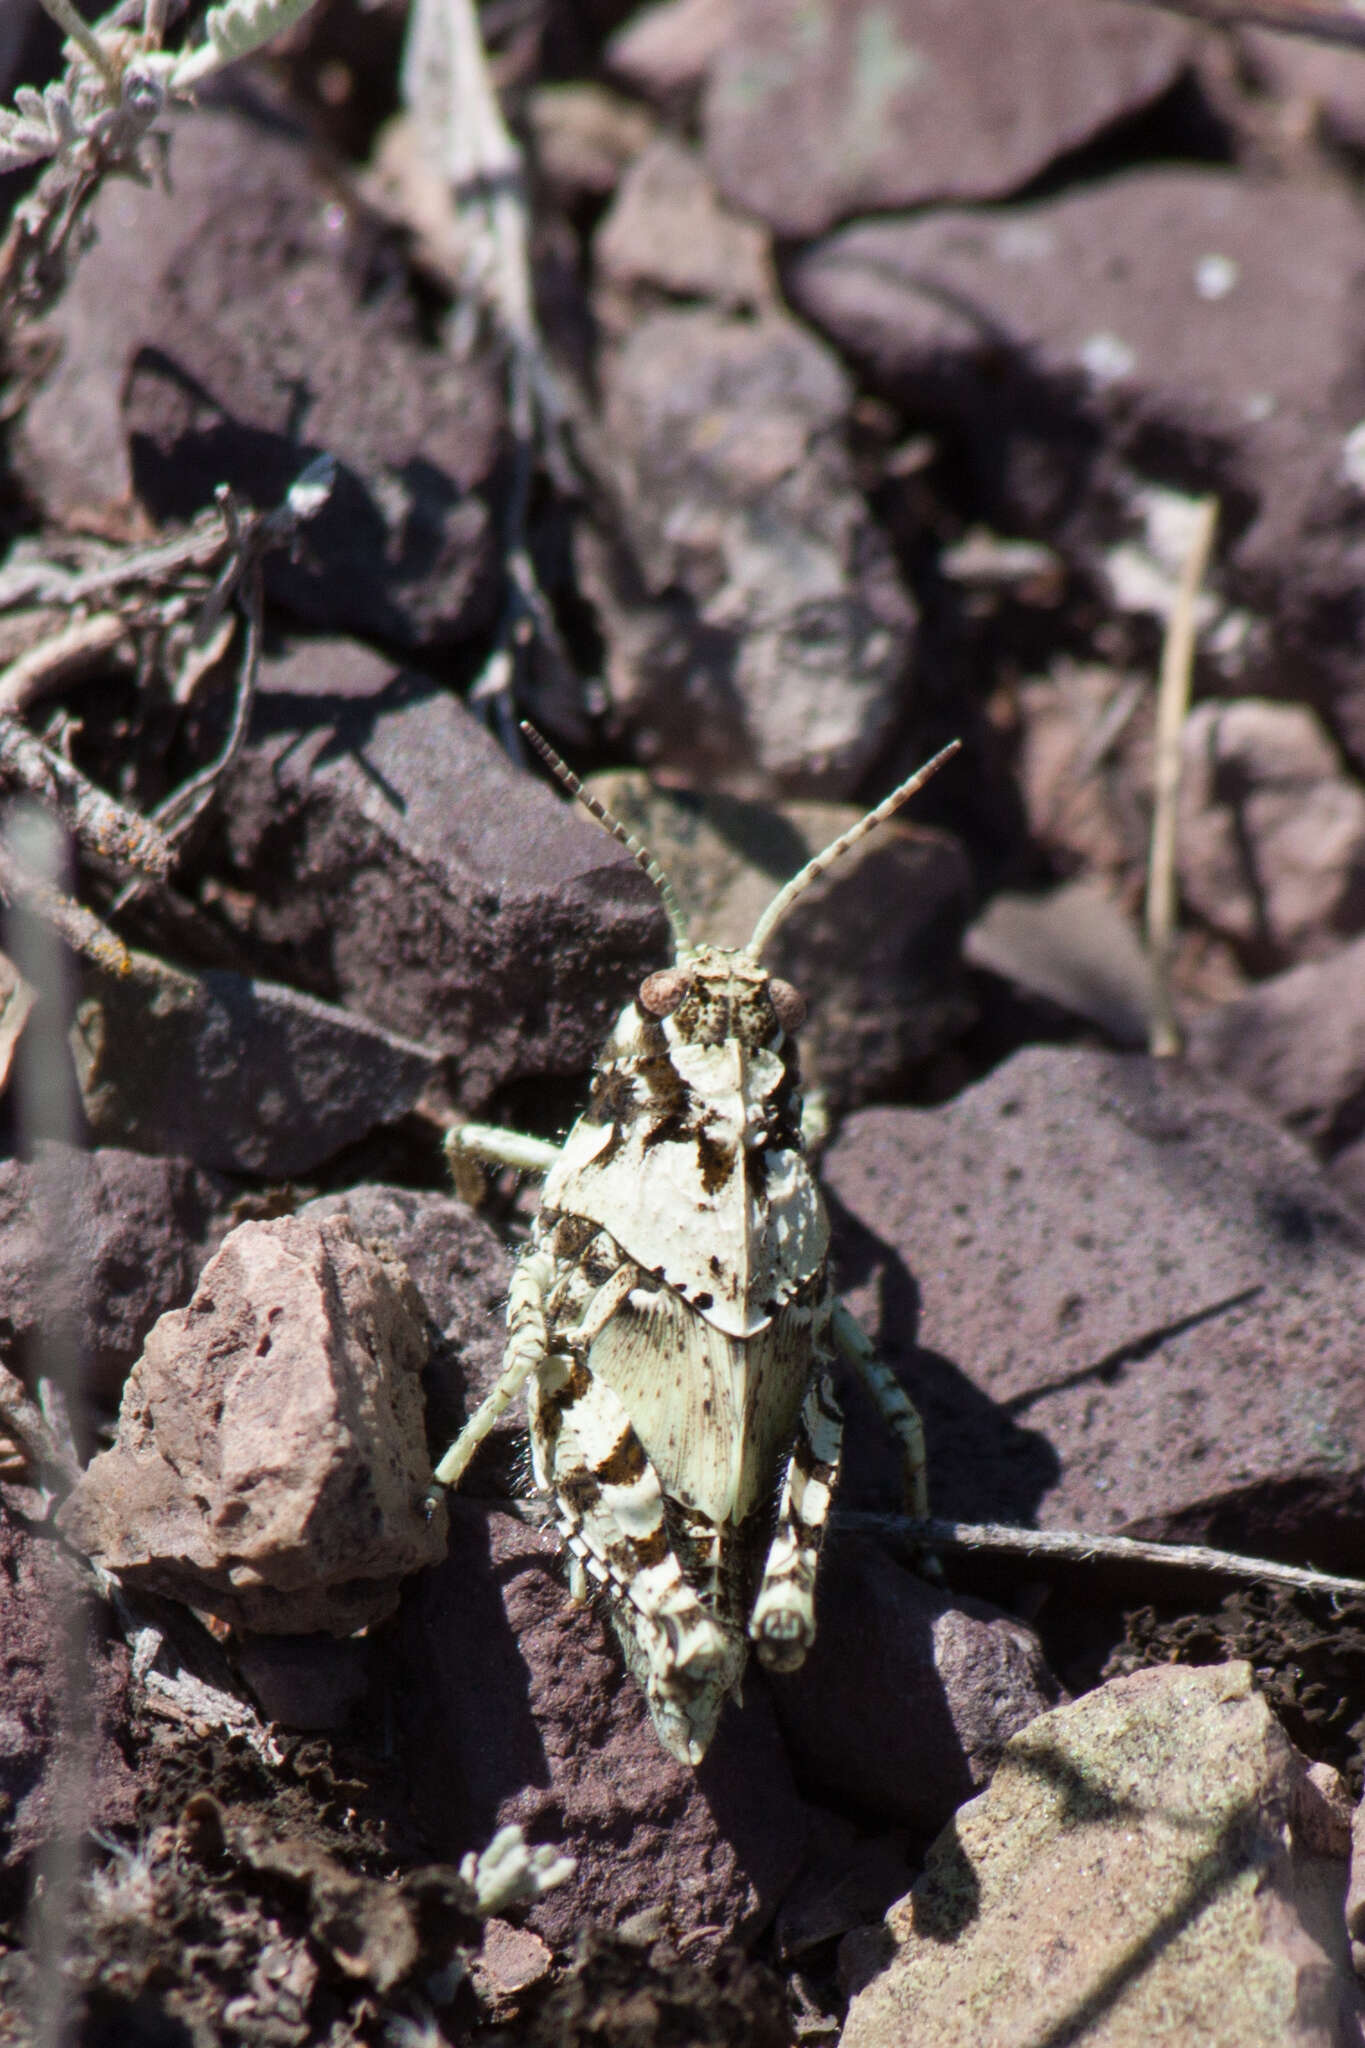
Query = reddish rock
x=235 y=322
x=667 y=230
x=460 y=1270
x=665 y=51
x=271 y=1462
x=1124 y=1301
x=41 y=1770
x=1186 y=325
x=758 y=632
x=391 y=858
x=1272 y=831
x=134 y=1232
x=903 y=103
x=584 y=138
x=1355 y=1892
x=517 y=1704
x=1296 y=1042
x=910 y=1694
x=246 y=1076
x=310 y=1682
x=1320 y=86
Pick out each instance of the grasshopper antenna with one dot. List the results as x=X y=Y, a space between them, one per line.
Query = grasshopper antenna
x=639 y=853
x=799 y=883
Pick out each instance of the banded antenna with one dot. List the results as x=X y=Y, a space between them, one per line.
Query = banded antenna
x=639 y=853
x=799 y=883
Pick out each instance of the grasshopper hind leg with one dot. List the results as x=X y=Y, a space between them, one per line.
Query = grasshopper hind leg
x=612 y=1518
x=782 y=1625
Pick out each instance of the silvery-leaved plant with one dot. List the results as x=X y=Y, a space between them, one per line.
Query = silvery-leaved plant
x=117 y=80
x=95 y=120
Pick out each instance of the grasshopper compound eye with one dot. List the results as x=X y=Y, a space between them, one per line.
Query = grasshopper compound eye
x=789 y=1003
x=661 y=993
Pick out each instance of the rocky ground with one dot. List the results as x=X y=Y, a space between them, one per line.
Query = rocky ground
x=882 y=353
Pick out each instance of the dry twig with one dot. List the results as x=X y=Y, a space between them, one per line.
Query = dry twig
x=1075 y=1547
x=1326 y=21
x=93 y=819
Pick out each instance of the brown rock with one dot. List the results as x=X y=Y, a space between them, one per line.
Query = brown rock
x=758 y=632
x=233 y=324
x=1355 y=1891
x=1089 y=815
x=909 y=1696
x=1297 y=1043
x=271 y=1463
x=394 y=860
x=312 y=1682
x=1129 y=1878
x=460 y=1270
x=1135 y=1304
x=1186 y=325
x=519 y=1707
x=1272 y=831
x=667 y=229
x=41 y=1774
x=134 y=1232
x=246 y=1076
x=873 y=946
x=903 y=103
x=665 y=51
x=1321 y=86
x=584 y=138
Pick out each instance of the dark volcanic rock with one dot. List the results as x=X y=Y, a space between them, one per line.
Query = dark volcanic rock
x=517 y=1704
x=910 y=1694
x=1187 y=325
x=42 y=1770
x=896 y=105
x=247 y=1076
x=1123 y=1300
x=271 y=1461
x=228 y=329
x=395 y=861
x=759 y=634
x=133 y=1233
x=1297 y=1043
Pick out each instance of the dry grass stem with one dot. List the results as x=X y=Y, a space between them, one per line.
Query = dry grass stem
x=1173 y=700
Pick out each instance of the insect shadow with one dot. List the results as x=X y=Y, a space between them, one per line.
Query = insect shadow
x=983 y=1465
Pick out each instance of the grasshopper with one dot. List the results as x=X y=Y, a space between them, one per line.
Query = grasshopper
x=672 y=1318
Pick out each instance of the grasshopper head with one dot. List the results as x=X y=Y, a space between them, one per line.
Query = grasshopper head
x=715 y=995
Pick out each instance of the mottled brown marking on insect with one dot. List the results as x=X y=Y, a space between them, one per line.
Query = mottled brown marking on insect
x=578 y=1490
x=652 y=1549
x=715 y=1162
x=625 y=1462
x=601 y=1258
x=613 y=1099
x=805 y=1460
x=569 y=1235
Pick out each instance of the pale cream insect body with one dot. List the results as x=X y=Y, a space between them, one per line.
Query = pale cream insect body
x=672 y=1318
